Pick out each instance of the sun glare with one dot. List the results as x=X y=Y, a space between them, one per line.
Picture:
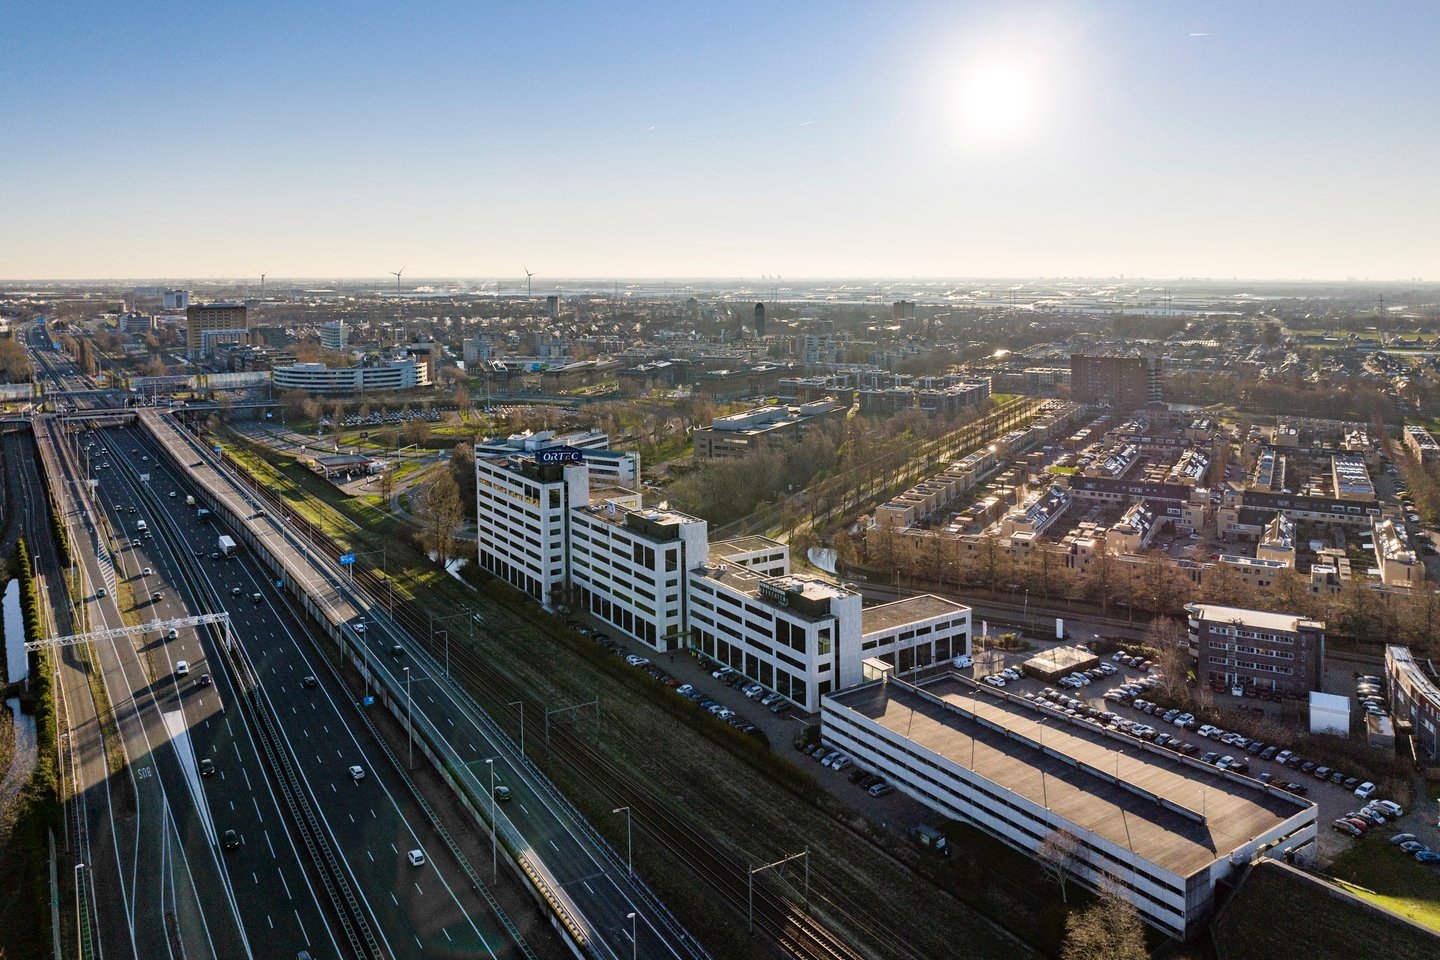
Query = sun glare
x=999 y=100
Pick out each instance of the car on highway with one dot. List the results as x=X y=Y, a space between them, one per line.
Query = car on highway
x=101 y=592
x=182 y=668
x=204 y=681
x=308 y=680
x=416 y=858
x=357 y=772
x=146 y=571
x=397 y=651
x=207 y=767
x=231 y=840
x=502 y=792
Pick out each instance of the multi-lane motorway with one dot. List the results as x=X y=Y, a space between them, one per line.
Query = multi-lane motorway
x=371 y=819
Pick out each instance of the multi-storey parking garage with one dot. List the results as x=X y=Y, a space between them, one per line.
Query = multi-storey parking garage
x=1160 y=829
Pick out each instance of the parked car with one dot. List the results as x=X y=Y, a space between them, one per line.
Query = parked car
x=1345 y=826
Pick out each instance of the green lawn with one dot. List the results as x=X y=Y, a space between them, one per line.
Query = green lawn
x=1277 y=916
x=1384 y=874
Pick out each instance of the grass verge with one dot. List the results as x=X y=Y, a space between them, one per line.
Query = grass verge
x=761 y=808
x=1386 y=875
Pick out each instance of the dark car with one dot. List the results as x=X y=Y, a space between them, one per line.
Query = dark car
x=231 y=840
x=1299 y=789
x=1308 y=766
x=204 y=680
x=308 y=680
x=1321 y=773
x=1351 y=783
x=1210 y=757
x=1269 y=753
x=397 y=651
x=1337 y=777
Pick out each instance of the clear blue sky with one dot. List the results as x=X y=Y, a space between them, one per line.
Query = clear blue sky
x=827 y=139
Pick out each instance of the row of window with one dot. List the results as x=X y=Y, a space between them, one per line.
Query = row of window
x=996 y=806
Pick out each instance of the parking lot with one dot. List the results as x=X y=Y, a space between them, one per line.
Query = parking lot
x=1121 y=712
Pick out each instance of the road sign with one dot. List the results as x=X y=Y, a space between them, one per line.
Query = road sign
x=347 y=559
x=368 y=701
x=217 y=448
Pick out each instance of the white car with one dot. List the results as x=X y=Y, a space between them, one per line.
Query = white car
x=357 y=773
x=146 y=571
x=416 y=858
x=636 y=661
x=964 y=662
x=1392 y=809
x=1365 y=791
x=995 y=680
x=182 y=668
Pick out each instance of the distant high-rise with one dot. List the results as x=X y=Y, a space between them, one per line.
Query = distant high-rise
x=759 y=319
x=209 y=324
x=333 y=336
x=552 y=306
x=1123 y=382
x=903 y=310
x=175 y=299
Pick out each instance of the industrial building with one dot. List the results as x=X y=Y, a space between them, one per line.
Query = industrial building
x=769 y=429
x=1160 y=829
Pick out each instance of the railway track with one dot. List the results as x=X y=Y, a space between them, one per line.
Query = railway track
x=779 y=916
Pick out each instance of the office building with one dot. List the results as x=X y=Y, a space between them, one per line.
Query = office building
x=210 y=324
x=628 y=567
x=1122 y=382
x=522 y=522
x=759 y=319
x=1162 y=830
x=1277 y=652
x=368 y=377
x=769 y=429
x=334 y=336
x=1414 y=698
x=175 y=299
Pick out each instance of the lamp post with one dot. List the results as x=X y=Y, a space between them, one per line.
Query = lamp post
x=494 y=852
x=521 y=705
x=629 y=861
x=634 y=942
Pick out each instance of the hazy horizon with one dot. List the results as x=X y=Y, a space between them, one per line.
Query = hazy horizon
x=1070 y=139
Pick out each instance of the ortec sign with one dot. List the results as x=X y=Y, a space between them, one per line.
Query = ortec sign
x=558 y=455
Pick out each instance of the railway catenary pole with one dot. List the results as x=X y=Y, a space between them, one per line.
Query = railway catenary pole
x=629 y=858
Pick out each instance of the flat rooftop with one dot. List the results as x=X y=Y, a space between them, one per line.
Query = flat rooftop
x=1259 y=619
x=897 y=613
x=723 y=549
x=1004 y=745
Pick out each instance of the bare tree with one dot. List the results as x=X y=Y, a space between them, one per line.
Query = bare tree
x=1171 y=643
x=1108 y=929
x=1058 y=855
x=443 y=510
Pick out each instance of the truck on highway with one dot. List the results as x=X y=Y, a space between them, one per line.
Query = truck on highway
x=190 y=501
x=140 y=525
x=226 y=546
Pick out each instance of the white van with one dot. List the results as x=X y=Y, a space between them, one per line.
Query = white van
x=140 y=525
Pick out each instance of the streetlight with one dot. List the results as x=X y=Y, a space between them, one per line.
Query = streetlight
x=521 y=705
x=634 y=943
x=494 y=854
x=409 y=725
x=629 y=861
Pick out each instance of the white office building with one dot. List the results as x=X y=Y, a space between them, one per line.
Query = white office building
x=652 y=575
x=628 y=568
x=387 y=375
x=522 y=522
x=1161 y=829
x=334 y=336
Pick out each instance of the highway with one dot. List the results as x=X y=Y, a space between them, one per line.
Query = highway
x=372 y=822
x=587 y=879
x=168 y=724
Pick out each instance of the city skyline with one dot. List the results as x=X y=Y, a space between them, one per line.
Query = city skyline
x=1063 y=139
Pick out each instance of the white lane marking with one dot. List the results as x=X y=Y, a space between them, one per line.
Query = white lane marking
x=526 y=812
x=553 y=847
x=269 y=921
x=418 y=890
x=284 y=884
x=369 y=854
x=270 y=845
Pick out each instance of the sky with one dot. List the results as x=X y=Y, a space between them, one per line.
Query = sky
x=1152 y=138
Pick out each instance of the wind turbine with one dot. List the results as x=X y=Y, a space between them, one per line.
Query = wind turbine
x=528 y=275
x=396 y=274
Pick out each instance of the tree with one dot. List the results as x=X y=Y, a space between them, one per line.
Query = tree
x=1108 y=929
x=387 y=486
x=1171 y=643
x=442 y=509
x=1058 y=856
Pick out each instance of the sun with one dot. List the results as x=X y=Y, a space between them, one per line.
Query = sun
x=999 y=99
